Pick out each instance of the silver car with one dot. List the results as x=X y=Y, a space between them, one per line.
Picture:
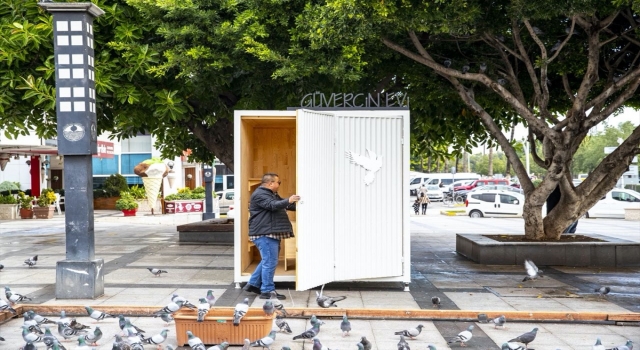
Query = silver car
x=225 y=199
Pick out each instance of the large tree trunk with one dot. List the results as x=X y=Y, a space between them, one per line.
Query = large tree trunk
x=218 y=138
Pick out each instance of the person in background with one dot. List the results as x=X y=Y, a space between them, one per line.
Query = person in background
x=424 y=199
x=416 y=205
x=268 y=225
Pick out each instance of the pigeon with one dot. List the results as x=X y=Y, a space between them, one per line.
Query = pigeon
x=1 y=267
x=627 y=346
x=6 y=307
x=499 y=321
x=556 y=46
x=283 y=326
x=32 y=261
x=120 y=344
x=82 y=344
x=435 y=301
x=1 y=339
x=130 y=329
x=210 y=298
x=14 y=298
x=345 y=326
x=447 y=63
x=317 y=345
x=512 y=346
x=602 y=291
x=222 y=346
x=247 y=344
x=156 y=338
x=465 y=69
x=96 y=314
x=50 y=340
x=463 y=337
x=170 y=308
x=92 y=338
x=431 y=347
x=203 y=309
x=482 y=318
x=366 y=344
x=284 y=347
x=31 y=324
x=175 y=298
x=483 y=67
x=63 y=318
x=266 y=341
x=239 y=312
x=360 y=346
x=29 y=346
x=165 y=317
x=537 y=31
x=314 y=320
x=134 y=340
x=277 y=304
x=411 y=332
x=326 y=301
x=194 y=342
x=67 y=332
x=402 y=344
x=525 y=338
x=268 y=308
x=30 y=337
x=76 y=325
x=309 y=333
x=156 y=272
x=532 y=271
x=598 y=345
x=40 y=319
x=371 y=163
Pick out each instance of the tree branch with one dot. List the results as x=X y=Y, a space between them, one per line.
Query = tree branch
x=596 y=117
x=567 y=88
x=525 y=58
x=573 y=24
x=612 y=89
x=591 y=75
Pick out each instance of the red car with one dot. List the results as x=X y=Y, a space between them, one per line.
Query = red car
x=482 y=182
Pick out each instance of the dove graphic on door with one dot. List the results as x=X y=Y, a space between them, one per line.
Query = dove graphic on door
x=371 y=163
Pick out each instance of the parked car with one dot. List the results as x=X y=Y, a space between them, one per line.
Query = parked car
x=231 y=214
x=495 y=203
x=612 y=205
x=225 y=199
x=499 y=187
x=483 y=182
x=434 y=192
x=458 y=184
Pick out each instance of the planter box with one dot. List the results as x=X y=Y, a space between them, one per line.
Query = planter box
x=43 y=212
x=184 y=206
x=613 y=252
x=108 y=203
x=26 y=213
x=129 y=212
x=218 y=326
x=215 y=231
x=8 y=211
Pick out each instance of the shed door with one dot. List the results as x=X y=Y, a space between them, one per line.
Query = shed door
x=369 y=206
x=315 y=157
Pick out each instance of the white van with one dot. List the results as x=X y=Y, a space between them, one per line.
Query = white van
x=439 y=179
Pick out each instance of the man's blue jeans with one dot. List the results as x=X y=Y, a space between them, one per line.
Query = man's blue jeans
x=262 y=277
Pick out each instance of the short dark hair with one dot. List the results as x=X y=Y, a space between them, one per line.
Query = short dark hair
x=269 y=177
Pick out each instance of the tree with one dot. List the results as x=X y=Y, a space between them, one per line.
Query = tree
x=591 y=151
x=561 y=68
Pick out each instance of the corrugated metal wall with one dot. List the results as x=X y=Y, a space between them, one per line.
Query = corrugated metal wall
x=368 y=219
x=315 y=160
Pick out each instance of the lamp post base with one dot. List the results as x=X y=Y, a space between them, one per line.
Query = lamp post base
x=79 y=279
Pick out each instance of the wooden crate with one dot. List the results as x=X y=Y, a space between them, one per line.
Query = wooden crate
x=218 y=326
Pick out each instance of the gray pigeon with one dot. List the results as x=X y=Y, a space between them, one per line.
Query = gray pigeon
x=411 y=332
x=268 y=308
x=240 y=310
x=402 y=344
x=277 y=304
x=120 y=344
x=167 y=318
x=29 y=346
x=50 y=340
x=483 y=67
x=482 y=318
x=194 y=342
x=92 y=338
x=40 y=319
x=366 y=344
x=175 y=298
x=74 y=324
x=134 y=340
x=598 y=345
x=14 y=297
x=436 y=302
x=431 y=347
x=30 y=337
x=309 y=333
x=360 y=346
x=499 y=321
x=345 y=326
x=82 y=344
x=1 y=267
x=170 y=308
x=283 y=326
x=512 y=346
x=526 y=338
x=156 y=338
x=463 y=336
x=203 y=309
x=32 y=261
x=96 y=314
x=222 y=346
x=130 y=329
x=266 y=341
x=67 y=332
x=532 y=271
x=317 y=345
x=627 y=346
x=211 y=299
x=602 y=291
x=314 y=320
x=5 y=307
x=327 y=301
x=156 y=272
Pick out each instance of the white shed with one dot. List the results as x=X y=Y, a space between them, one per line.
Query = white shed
x=351 y=223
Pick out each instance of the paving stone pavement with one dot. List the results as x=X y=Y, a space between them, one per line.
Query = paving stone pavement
x=130 y=245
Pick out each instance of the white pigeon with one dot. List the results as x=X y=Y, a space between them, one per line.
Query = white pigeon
x=156 y=272
x=97 y=314
x=194 y=342
x=247 y=344
x=170 y=308
x=240 y=310
x=203 y=309
x=32 y=261
x=156 y=338
x=532 y=271
x=463 y=337
x=371 y=163
x=14 y=297
x=512 y=346
x=266 y=341
x=5 y=307
x=411 y=332
x=175 y=298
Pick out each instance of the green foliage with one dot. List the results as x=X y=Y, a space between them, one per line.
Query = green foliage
x=126 y=201
x=138 y=192
x=26 y=202
x=9 y=186
x=591 y=151
x=8 y=199
x=47 y=197
x=186 y=193
x=113 y=185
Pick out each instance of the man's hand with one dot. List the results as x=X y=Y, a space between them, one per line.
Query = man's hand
x=294 y=198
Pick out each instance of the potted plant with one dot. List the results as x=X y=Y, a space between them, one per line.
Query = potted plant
x=45 y=207
x=185 y=201
x=106 y=196
x=127 y=203
x=8 y=204
x=26 y=205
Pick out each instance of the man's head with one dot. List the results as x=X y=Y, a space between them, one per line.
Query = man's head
x=271 y=181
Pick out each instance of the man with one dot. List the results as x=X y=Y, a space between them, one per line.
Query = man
x=268 y=224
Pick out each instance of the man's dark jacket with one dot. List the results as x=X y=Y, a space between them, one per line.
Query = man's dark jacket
x=268 y=213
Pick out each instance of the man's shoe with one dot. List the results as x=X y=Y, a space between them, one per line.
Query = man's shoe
x=251 y=289
x=268 y=296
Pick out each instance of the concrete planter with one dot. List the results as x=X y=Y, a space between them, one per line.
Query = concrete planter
x=43 y=212
x=8 y=211
x=613 y=252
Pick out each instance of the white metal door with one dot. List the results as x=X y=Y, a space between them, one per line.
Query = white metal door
x=369 y=205
x=315 y=157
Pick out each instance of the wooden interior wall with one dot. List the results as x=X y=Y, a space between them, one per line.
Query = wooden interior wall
x=246 y=150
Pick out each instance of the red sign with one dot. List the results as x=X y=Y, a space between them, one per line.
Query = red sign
x=176 y=207
x=105 y=150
